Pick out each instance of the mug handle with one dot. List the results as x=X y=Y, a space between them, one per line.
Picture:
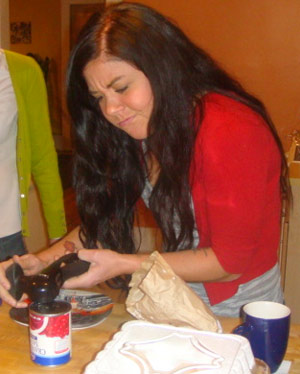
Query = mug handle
x=242 y=329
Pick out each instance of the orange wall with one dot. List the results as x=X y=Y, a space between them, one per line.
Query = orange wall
x=257 y=41
x=45 y=19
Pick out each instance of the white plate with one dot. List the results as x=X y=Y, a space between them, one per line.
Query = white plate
x=145 y=347
x=88 y=308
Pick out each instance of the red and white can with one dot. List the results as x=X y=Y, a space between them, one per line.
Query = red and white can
x=50 y=333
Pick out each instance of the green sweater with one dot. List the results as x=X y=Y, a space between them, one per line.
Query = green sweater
x=36 y=154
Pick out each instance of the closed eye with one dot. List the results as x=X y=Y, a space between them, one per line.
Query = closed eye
x=121 y=90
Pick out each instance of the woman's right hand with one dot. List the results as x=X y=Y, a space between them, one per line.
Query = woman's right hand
x=30 y=264
x=5 y=286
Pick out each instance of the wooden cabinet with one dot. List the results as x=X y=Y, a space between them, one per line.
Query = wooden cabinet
x=292 y=272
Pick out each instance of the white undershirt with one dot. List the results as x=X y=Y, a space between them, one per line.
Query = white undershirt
x=10 y=221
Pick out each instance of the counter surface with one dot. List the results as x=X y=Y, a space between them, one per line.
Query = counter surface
x=15 y=349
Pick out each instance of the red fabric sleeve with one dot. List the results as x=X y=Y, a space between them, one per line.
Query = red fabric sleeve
x=236 y=185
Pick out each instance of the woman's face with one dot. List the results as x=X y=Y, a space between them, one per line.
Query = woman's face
x=124 y=93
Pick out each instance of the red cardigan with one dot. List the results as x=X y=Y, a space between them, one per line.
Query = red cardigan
x=236 y=192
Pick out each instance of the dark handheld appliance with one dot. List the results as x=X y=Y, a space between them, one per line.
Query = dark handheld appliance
x=45 y=286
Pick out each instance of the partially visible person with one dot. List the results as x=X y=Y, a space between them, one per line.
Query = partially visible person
x=26 y=151
x=155 y=117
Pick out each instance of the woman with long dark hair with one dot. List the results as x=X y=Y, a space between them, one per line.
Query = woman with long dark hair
x=155 y=117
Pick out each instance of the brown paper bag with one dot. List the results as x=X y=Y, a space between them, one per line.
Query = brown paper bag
x=158 y=295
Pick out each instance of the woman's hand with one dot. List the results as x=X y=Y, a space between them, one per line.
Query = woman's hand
x=30 y=264
x=105 y=264
x=5 y=287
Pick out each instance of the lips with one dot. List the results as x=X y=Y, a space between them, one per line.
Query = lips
x=125 y=121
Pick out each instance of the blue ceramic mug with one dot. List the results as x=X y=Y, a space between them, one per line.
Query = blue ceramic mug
x=266 y=326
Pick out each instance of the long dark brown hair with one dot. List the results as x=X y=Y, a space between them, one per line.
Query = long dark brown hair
x=109 y=172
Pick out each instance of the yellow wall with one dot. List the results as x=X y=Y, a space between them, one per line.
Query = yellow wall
x=258 y=41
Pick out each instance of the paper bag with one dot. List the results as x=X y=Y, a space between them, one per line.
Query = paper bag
x=158 y=295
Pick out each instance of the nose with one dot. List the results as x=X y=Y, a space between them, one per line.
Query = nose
x=112 y=106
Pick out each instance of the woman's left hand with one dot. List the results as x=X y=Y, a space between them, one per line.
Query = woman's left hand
x=105 y=264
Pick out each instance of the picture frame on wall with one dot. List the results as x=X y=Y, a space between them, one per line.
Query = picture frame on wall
x=20 y=32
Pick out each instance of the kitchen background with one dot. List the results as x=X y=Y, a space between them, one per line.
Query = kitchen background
x=257 y=41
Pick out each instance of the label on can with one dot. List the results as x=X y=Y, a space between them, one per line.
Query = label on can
x=50 y=333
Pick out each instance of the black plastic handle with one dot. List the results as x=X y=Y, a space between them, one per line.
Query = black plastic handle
x=14 y=273
x=69 y=265
x=74 y=269
x=44 y=287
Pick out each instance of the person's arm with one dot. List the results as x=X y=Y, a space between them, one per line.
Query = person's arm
x=44 y=163
x=200 y=265
x=47 y=256
x=35 y=263
x=53 y=240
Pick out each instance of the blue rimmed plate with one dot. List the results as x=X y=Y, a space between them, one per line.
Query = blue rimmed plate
x=88 y=308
